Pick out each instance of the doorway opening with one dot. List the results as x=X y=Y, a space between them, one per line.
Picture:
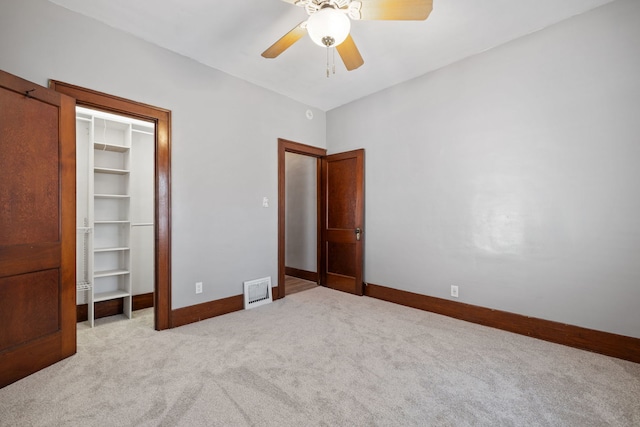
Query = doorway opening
x=339 y=219
x=299 y=250
x=161 y=119
x=114 y=215
x=301 y=234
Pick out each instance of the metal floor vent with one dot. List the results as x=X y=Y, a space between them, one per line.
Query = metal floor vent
x=257 y=292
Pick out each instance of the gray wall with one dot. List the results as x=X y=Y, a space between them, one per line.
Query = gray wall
x=224 y=137
x=513 y=174
x=301 y=212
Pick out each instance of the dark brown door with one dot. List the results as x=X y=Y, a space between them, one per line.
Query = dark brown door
x=37 y=228
x=343 y=221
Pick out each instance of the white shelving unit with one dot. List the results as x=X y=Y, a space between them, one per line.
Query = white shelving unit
x=106 y=247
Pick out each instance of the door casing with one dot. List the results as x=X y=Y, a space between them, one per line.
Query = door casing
x=162 y=119
x=286 y=146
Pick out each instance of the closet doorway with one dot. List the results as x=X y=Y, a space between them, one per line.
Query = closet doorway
x=114 y=214
x=113 y=258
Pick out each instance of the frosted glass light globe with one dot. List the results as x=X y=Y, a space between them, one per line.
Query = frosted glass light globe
x=328 y=27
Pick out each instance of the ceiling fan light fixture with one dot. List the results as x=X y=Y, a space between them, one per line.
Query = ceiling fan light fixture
x=328 y=27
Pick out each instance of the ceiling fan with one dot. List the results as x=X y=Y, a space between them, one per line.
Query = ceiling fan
x=329 y=23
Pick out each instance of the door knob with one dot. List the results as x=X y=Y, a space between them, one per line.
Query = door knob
x=358 y=232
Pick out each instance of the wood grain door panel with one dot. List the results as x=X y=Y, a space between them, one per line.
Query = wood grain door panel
x=30 y=198
x=341 y=186
x=26 y=319
x=343 y=214
x=37 y=227
x=18 y=259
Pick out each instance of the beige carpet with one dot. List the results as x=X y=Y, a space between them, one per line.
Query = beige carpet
x=323 y=358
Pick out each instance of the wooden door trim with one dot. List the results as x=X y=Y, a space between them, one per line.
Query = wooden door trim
x=68 y=227
x=162 y=118
x=286 y=146
x=620 y=346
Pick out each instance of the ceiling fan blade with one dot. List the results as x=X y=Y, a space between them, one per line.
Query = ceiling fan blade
x=285 y=42
x=350 y=54
x=395 y=10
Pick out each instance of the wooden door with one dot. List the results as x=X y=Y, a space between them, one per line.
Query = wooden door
x=343 y=221
x=37 y=228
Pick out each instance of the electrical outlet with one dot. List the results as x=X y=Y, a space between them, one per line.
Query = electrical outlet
x=198 y=287
x=454 y=291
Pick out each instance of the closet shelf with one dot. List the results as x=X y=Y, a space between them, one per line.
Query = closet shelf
x=111 y=196
x=111 y=171
x=108 y=273
x=104 y=296
x=110 y=147
x=111 y=249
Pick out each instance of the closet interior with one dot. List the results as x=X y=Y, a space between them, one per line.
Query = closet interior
x=115 y=209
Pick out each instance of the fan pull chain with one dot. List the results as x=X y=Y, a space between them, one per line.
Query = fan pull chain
x=327 y=62
x=333 y=61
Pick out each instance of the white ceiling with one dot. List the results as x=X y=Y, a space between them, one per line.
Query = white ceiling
x=230 y=36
